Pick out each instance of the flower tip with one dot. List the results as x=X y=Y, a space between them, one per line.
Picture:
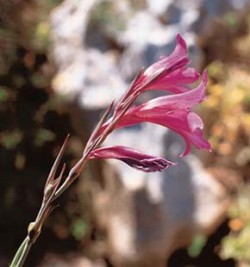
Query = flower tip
x=181 y=41
x=185 y=152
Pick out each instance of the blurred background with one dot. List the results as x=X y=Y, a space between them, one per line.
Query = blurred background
x=61 y=64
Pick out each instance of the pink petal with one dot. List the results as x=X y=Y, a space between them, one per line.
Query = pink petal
x=177 y=81
x=179 y=101
x=194 y=121
x=173 y=112
x=133 y=158
x=179 y=121
x=164 y=105
x=175 y=60
x=186 y=124
x=153 y=75
x=170 y=73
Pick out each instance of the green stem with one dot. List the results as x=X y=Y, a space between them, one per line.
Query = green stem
x=21 y=253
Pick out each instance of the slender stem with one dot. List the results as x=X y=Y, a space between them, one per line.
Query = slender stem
x=25 y=253
x=74 y=173
x=20 y=253
x=41 y=211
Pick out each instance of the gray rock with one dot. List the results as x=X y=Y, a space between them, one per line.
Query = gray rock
x=160 y=212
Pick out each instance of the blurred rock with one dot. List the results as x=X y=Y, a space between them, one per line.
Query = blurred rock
x=84 y=75
x=123 y=39
x=68 y=26
x=154 y=214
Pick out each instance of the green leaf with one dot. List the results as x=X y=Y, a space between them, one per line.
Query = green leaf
x=79 y=229
x=11 y=139
x=197 y=245
x=20 y=252
x=4 y=95
x=43 y=136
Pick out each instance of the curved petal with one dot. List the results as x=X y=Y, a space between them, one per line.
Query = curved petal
x=132 y=157
x=154 y=75
x=175 y=60
x=180 y=101
x=180 y=122
x=177 y=82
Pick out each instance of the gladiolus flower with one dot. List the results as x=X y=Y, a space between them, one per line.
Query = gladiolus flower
x=172 y=111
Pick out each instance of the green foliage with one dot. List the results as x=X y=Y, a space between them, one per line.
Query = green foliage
x=216 y=70
x=41 y=36
x=79 y=228
x=42 y=136
x=227 y=119
x=199 y=241
x=4 y=94
x=108 y=16
x=226 y=114
x=11 y=139
x=231 y=19
x=237 y=244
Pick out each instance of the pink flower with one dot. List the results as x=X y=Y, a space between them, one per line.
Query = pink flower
x=172 y=111
x=132 y=157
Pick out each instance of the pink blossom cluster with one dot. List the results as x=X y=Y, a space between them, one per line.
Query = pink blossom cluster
x=173 y=111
